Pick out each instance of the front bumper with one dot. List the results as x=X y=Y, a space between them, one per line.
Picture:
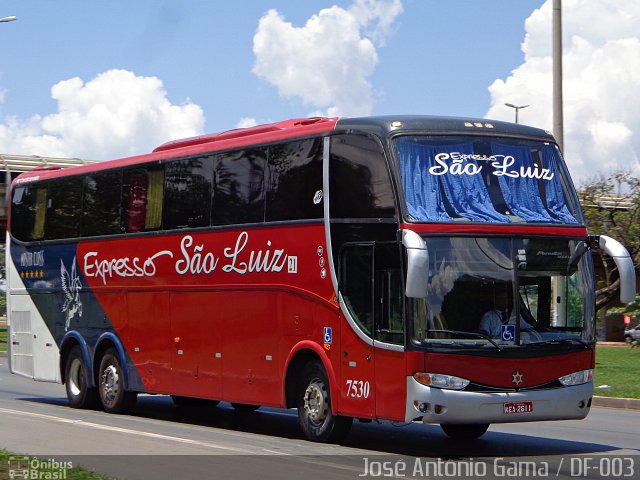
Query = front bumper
x=453 y=406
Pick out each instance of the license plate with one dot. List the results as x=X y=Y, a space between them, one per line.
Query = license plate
x=518 y=407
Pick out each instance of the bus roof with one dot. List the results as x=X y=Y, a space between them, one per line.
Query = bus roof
x=385 y=125
x=301 y=127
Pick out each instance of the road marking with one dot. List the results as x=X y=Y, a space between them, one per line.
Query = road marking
x=99 y=426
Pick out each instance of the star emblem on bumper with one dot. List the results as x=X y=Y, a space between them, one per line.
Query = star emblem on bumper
x=517 y=378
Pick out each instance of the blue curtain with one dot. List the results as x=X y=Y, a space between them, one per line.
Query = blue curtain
x=421 y=189
x=556 y=200
x=467 y=194
x=522 y=193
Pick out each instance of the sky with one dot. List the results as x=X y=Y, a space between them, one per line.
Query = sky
x=103 y=79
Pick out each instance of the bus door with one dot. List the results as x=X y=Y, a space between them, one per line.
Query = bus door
x=389 y=336
x=373 y=379
x=357 y=371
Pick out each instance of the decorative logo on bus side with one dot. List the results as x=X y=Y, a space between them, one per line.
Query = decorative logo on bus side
x=71 y=287
x=317 y=198
x=194 y=259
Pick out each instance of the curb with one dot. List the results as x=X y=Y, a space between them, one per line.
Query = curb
x=615 y=402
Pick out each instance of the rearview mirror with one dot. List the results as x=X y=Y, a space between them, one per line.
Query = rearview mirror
x=624 y=263
x=417 y=264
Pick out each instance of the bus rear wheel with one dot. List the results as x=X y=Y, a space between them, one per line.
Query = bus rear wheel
x=79 y=393
x=465 y=431
x=114 y=398
x=317 y=421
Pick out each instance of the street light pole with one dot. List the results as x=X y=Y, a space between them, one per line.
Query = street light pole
x=516 y=108
x=558 y=115
x=7 y=174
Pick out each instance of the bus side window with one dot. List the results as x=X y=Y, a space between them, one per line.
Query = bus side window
x=28 y=211
x=356 y=284
x=142 y=194
x=238 y=187
x=101 y=204
x=294 y=181
x=64 y=199
x=389 y=294
x=188 y=186
x=360 y=186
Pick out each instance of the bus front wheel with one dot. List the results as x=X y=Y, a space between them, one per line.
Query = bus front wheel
x=465 y=431
x=79 y=393
x=318 y=422
x=114 y=398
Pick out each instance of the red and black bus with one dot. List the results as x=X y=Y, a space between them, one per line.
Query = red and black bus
x=408 y=268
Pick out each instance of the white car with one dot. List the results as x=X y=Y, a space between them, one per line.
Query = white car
x=632 y=334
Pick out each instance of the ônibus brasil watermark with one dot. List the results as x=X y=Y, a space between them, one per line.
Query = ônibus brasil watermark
x=30 y=468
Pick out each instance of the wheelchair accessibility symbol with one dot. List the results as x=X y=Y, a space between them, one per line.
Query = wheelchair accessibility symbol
x=508 y=333
x=328 y=335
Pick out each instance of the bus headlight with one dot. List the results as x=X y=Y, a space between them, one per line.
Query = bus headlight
x=439 y=380
x=577 y=378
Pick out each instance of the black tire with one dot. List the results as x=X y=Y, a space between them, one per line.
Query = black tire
x=317 y=421
x=79 y=393
x=465 y=431
x=190 y=402
x=113 y=396
x=244 y=407
x=628 y=339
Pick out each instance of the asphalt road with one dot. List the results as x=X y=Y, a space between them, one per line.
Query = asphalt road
x=161 y=441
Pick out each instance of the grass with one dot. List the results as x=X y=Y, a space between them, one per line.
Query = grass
x=3 y=338
x=619 y=368
x=41 y=467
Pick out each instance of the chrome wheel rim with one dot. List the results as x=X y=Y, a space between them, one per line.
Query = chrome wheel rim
x=316 y=402
x=110 y=384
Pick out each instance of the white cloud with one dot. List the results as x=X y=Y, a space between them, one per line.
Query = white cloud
x=328 y=61
x=113 y=115
x=246 y=122
x=601 y=69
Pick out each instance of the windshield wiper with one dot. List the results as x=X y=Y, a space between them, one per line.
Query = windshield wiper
x=558 y=341
x=472 y=334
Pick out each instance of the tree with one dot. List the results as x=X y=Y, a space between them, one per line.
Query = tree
x=631 y=309
x=611 y=207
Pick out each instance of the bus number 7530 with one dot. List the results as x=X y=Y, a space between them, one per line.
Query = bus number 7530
x=357 y=389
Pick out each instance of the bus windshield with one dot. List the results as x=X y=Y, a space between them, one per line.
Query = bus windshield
x=490 y=292
x=484 y=179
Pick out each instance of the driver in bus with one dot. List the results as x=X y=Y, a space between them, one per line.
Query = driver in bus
x=502 y=313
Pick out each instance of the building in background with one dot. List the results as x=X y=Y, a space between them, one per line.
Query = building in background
x=10 y=167
x=13 y=165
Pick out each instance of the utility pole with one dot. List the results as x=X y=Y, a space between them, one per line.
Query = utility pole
x=558 y=115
